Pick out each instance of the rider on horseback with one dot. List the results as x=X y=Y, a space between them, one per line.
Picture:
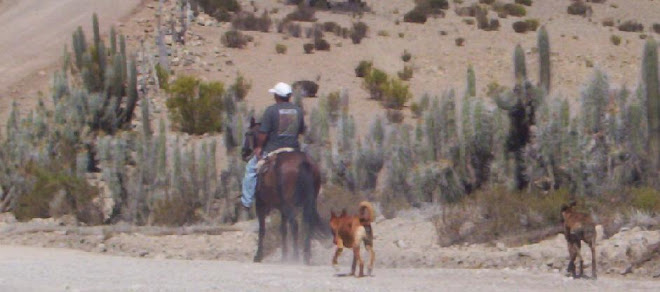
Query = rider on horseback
x=280 y=126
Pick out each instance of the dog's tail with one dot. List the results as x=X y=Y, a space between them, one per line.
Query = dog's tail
x=366 y=213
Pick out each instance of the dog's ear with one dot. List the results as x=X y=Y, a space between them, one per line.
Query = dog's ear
x=343 y=213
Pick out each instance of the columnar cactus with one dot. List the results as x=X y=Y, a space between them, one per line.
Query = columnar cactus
x=544 y=59
x=651 y=91
x=519 y=66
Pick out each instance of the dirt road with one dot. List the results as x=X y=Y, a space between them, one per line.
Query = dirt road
x=47 y=269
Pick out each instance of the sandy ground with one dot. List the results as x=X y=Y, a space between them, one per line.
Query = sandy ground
x=35 y=269
x=32 y=37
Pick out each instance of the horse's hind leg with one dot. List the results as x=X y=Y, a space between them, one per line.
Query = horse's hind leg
x=572 y=251
x=262 y=231
x=283 y=232
x=294 y=231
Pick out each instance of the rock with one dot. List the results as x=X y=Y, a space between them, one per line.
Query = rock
x=627 y=270
x=168 y=40
x=400 y=243
x=143 y=253
x=175 y=61
x=501 y=246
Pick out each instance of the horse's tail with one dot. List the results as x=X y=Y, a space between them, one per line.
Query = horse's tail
x=307 y=191
x=366 y=213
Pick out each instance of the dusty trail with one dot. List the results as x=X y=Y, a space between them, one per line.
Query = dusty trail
x=48 y=269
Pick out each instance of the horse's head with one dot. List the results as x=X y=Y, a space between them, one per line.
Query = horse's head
x=250 y=139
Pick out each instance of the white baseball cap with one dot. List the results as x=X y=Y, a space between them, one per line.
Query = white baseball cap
x=281 y=89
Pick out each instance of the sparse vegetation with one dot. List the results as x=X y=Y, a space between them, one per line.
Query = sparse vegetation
x=579 y=8
x=631 y=26
x=219 y=9
x=524 y=2
x=459 y=41
x=406 y=56
x=515 y=9
x=303 y=13
x=358 y=32
x=615 y=39
x=363 y=68
x=308 y=48
x=280 y=48
x=406 y=73
x=415 y=16
x=196 y=107
x=656 y=28
x=235 y=39
x=321 y=44
x=249 y=22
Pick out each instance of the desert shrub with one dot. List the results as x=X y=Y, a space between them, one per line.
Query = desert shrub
x=55 y=193
x=515 y=9
x=597 y=1
x=314 y=32
x=241 y=87
x=173 y=211
x=307 y=88
x=469 y=21
x=235 y=39
x=511 y=217
x=615 y=39
x=196 y=107
x=524 y=2
x=415 y=16
x=578 y=8
x=396 y=94
x=406 y=56
x=631 y=26
x=487 y=2
x=459 y=42
x=467 y=11
x=358 y=32
x=333 y=27
x=520 y=26
x=656 y=28
x=302 y=13
x=219 y=9
x=289 y=27
x=321 y=44
x=163 y=76
x=383 y=33
x=608 y=21
x=532 y=24
x=406 y=73
x=374 y=82
x=646 y=199
x=308 y=48
x=249 y=22
x=394 y=116
x=363 y=68
x=280 y=49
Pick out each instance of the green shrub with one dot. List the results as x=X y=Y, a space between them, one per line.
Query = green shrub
x=219 y=9
x=487 y=2
x=302 y=13
x=656 y=28
x=615 y=39
x=524 y=2
x=280 y=48
x=163 y=76
x=646 y=199
x=515 y=9
x=532 y=24
x=235 y=39
x=363 y=68
x=333 y=27
x=249 y=22
x=520 y=26
x=196 y=107
x=241 y=87
x=406 y=56
x=374 y=82
x=396 y=94
x=459 y=42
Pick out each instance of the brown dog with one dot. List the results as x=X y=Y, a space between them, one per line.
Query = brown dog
x=579 y=227
x=349 y=231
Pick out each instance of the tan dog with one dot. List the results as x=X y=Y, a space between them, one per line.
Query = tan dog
x=579 y=227
x=350 y=231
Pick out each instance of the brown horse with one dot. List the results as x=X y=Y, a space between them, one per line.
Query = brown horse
x=290 y=182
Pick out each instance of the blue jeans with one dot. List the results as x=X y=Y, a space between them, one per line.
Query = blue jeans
x=249 y=182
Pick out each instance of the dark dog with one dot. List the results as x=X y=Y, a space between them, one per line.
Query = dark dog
x=579 y=227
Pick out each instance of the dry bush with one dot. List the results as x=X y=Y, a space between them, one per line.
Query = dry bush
x=631 y=26
x=280 y=49
x=308 y=48
x=406 y=56
x=406 y=74
x=579 y=8
x=487 y=2
x=656 y=28
x=358 y=32
x=496 y=213
x=646 y=199
x=608 y=21
x=459 y=42
x=307 y=88
x=394 y=116
x=219 y=9
x=173 y=212
x=291 y=28
x=415 y=16
x=321 y=44
x=249 y=22
x=521 y=26
x=615 y=39
x=235 y=39
x=524 y=2
x=302 y=13
x=515 y=9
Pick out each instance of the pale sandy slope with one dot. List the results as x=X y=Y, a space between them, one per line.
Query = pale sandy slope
x=40 y=269
x=33 y=33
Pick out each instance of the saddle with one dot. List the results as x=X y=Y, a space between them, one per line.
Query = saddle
x=264 y=164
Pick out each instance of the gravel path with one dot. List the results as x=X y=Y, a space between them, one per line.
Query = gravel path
x=48 y=269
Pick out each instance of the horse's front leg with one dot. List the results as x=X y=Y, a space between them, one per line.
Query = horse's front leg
x=261 y=213
x=283 y=232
